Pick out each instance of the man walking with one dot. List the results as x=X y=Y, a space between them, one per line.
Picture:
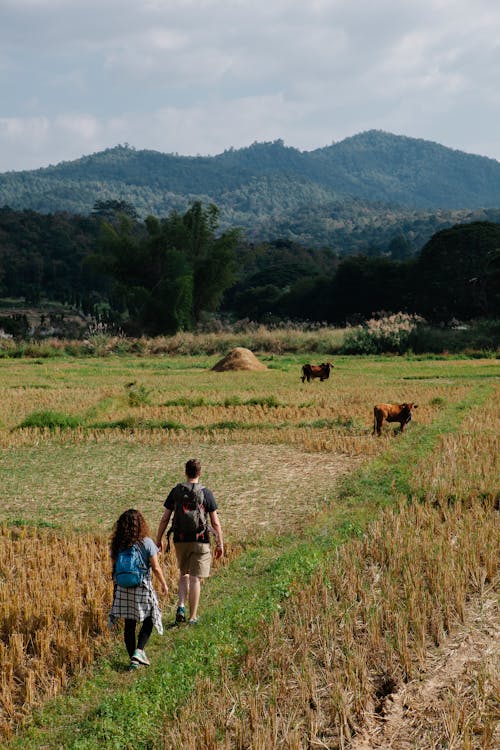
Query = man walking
x=192 y=506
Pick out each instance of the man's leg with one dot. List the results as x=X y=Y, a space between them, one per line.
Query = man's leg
x=180 y=615
x=183 y=589
x=194 y=596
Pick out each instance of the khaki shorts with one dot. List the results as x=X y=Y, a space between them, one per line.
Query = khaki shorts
x=193 y=558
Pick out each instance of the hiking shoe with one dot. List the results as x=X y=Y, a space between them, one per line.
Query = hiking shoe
x=140 y=657
x=180 y=615
x=193 y=622
x=133 y=666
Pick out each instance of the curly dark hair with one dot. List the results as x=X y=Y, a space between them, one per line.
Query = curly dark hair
x=131 y=527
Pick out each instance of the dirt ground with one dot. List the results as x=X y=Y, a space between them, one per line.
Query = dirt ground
x=442 y=708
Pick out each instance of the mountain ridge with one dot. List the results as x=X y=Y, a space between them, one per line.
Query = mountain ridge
x=270 y=185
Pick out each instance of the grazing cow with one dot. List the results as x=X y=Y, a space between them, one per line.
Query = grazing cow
x=391 y=413
x=321 y=371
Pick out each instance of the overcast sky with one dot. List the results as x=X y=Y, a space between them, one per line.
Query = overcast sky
x=201 y=76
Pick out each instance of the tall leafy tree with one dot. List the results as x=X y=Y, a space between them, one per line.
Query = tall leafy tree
x=213 y=257
x=457 y=272
x=168 y=271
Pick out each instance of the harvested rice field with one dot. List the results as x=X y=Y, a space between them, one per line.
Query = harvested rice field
x=81 y=440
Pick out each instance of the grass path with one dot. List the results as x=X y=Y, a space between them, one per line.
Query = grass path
x=113 y=709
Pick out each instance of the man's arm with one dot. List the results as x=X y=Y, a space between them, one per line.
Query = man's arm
x=161 y=528
x=214 y=520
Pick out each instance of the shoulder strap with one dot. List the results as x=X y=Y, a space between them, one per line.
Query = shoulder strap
x=192 y=485
x=141 y=549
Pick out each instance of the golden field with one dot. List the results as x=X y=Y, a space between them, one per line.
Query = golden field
x=260 y=436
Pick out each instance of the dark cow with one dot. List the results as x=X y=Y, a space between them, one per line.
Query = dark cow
x=321 y=371
x=391 y=413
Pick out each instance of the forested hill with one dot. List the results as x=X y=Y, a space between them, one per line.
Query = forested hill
x=274 y=190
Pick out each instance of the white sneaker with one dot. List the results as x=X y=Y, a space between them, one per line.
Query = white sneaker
x=140 y=657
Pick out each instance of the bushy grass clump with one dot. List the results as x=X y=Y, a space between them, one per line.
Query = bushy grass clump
x=138 y=395
x=50 y=420
x=386 y=334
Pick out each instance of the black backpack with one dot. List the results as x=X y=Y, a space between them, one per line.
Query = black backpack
x=190 y=522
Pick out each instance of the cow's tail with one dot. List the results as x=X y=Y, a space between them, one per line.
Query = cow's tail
x=303 y=378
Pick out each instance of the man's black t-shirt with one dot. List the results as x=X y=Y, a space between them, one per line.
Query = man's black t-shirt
x=208 y=503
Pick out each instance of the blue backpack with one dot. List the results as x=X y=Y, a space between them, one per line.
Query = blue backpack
x=130 y=568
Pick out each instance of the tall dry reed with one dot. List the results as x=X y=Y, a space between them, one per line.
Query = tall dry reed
x=467 y=462
x=55 y=595
x=361 y=629
x=291 y=338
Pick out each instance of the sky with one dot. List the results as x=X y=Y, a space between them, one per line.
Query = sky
x=202 y=76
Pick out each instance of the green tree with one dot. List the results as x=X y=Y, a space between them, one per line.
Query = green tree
x=212 y=255
x=170 y=271
x=362 y=286
x=112 y=208
x=457 y=272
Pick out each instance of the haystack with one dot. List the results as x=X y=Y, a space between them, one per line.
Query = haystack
x=239 y=359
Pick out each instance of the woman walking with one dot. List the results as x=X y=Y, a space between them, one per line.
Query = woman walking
x=134 y=597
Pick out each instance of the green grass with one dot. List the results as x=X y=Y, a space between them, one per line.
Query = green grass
x=111 y=709
x=50 y=420
x=236 y=400
x=56 y=420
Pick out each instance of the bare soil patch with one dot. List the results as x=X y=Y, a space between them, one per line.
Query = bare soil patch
x=455 y=703
x=88 y=485
x=271 y=476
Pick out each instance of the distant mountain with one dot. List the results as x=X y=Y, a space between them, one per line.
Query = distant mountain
x=372 y=186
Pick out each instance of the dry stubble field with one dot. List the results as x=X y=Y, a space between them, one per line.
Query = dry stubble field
x=255 y=431
x=262 y=437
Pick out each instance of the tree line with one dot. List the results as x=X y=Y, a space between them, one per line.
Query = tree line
x=161 y=275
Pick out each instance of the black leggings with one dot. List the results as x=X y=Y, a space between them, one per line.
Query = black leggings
x=143 y=637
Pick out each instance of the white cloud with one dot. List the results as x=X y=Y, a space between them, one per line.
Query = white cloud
x=85 y=127
x=55 y=139
x=198 y=76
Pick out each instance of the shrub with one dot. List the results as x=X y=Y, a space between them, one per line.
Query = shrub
x=478 y=338
x=390 y=333
x=138 y=395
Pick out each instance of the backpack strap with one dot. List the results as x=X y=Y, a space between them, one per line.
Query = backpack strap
x=171 y=529
x=140 y=548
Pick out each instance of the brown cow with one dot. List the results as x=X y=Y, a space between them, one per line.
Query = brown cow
x=321 y=371
x=391 y=413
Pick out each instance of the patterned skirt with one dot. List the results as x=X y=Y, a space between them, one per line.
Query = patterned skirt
x=136 y=603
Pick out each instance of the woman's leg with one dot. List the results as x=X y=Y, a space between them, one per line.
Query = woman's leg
x=145 y=632
x=129 y=636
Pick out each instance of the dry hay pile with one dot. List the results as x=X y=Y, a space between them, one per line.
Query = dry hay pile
x=239 y=359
